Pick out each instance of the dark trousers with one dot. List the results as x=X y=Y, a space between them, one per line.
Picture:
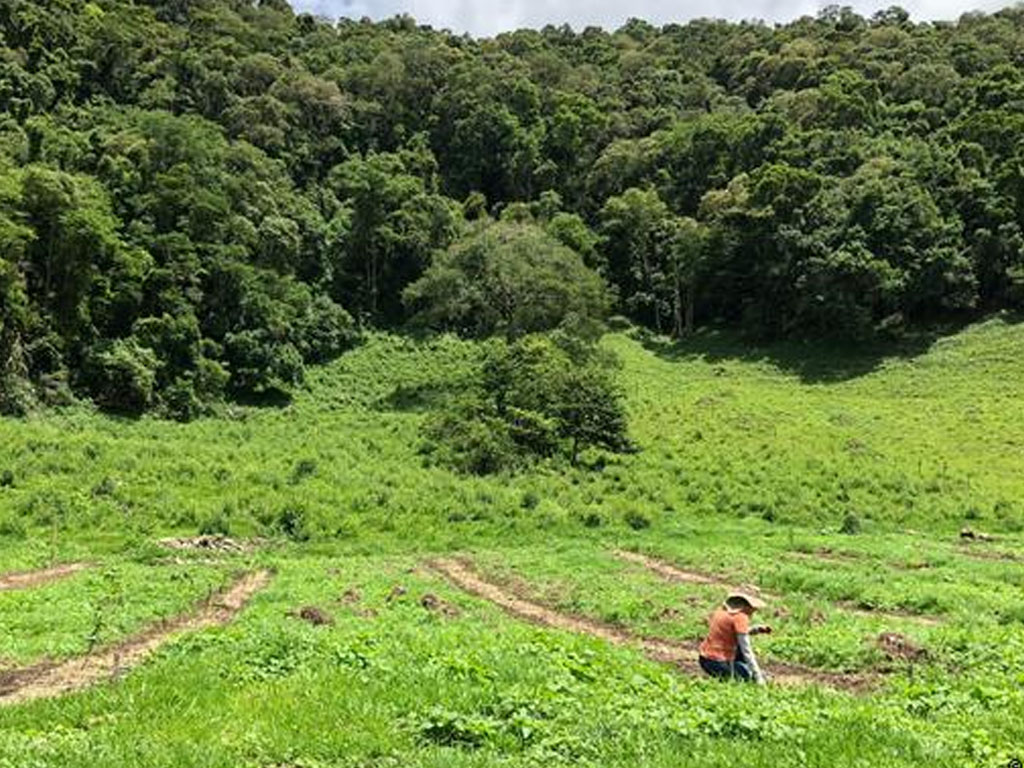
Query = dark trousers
x=727 y=670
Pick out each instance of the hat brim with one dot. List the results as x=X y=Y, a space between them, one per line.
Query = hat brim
x=753 y=601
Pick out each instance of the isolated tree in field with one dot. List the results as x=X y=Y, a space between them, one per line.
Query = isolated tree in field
x=510 y=278
x=537 y=397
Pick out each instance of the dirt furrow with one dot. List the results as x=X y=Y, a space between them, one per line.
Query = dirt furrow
x=673 y=573
x=682 y=655
x=28 y=579
x=55 y=679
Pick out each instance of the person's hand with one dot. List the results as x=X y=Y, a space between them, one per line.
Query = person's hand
x=764 y=630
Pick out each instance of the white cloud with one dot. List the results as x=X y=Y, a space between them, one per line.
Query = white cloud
x=486 y=17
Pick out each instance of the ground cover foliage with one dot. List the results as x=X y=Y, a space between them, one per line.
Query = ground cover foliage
x=749 y=465
x=200 y=199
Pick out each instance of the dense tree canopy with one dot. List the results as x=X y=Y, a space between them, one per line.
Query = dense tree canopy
x=197 y=198
x=511 y=278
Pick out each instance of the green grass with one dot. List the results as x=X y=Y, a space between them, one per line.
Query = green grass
x=750 y=460
x=95 y=607
x=405 y=686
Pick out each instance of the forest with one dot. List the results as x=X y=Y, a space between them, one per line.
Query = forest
x=201 y=198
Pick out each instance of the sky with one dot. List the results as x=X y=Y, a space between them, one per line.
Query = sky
x=489 y=17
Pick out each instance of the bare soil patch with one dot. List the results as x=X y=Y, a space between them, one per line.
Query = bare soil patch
x=55 y=679
x=28 y=579
x=681 y=654
x=350 y=596
x=674 y=573
x=212 y=543
x=968 y=549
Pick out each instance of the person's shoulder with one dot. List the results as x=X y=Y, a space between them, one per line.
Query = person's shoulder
x=741 y=623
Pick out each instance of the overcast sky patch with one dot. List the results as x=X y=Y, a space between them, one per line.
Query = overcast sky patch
x=486 y=17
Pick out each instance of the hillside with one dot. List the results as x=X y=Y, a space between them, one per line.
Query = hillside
x=375 y=611
x=199 y=200
x=786 y=433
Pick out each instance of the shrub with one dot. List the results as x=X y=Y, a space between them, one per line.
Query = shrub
x=636 y=520
x=291 y=521
x=534 y=399
x=468 y=439
x=121 y=375
x=303 y=468
x=530 y=500
x=180 y=400
x=851 y=524
x=216 y=524
x=13 y=528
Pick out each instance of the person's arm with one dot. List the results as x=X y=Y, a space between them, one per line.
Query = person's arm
x=743 y=640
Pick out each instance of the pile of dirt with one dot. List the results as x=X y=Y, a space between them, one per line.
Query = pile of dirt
x=28 y=579
x=350 y=596
x=899 y=647
x=209 y=543
x=435 y=604
x=49 y=679
x=313 y=615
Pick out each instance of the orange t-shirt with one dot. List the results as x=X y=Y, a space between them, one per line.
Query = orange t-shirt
x=720 y=644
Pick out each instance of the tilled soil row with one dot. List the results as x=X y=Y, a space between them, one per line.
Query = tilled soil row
x=681 y=654
x=28 y=579
x=674 y=573
x=47 y=680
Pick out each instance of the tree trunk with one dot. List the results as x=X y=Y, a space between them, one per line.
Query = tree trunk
x=645 y=262
x=677 y=303
x=691 y=300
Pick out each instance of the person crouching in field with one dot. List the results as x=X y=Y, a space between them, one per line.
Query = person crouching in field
x=726 y=652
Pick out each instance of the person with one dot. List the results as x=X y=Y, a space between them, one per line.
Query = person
x=726 y=652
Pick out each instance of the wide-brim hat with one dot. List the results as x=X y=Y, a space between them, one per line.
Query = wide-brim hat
x=752 y=600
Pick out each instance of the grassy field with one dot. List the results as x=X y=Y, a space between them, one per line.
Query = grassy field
x=835 y=481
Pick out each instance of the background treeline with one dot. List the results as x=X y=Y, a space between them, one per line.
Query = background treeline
x=199 y=197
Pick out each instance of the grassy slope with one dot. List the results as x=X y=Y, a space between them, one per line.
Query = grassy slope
x=750 y=460
x=929 y=441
